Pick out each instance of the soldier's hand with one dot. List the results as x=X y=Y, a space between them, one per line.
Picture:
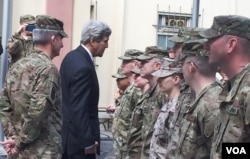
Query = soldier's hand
x=10 y=147
x=21 y=28
x=110 y=108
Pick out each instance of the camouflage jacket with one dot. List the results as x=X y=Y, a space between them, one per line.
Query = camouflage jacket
x=18 y=47
x=134 y=144
x=234 y=117
x=185 y=98
x=196 y=129
x=31 y=106
x=150 y=110
x=122 y=118
x=159 y=141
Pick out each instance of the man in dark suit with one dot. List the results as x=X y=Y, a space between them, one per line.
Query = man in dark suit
x=80 y=94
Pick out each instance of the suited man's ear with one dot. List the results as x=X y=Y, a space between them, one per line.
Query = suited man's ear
x=92 y=40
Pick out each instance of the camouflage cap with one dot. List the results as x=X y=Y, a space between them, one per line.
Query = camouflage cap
x=168 y=68
x=50 y=23
x=136 y=71
x=193 y=48
x=119 y=74
x=186 y=33
x=27 y=19
x=131 y=54
x=228 y=25
x=153 y=52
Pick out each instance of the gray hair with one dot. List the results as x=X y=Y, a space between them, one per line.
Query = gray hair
x=96 y=30
x=42 y=36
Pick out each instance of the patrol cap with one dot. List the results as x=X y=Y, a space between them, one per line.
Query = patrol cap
x=168 y=68
x=186 y=33
x=50 y=23
x=27 y=19
x=131 y=54
x=119 y=74
x=193 y=48
x=228 y=25
x=136 y=71
x=153 y=52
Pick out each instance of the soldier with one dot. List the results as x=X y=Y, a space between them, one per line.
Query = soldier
x=122 y=83
x=186 y=96
x=184 y=34
x=229 y=48
x=199 y=117
x=169 y=82
x=151 y=61
x=30 y=102
x=128 y=101
x=140 y=82
x=134 y=144
x=21 y=44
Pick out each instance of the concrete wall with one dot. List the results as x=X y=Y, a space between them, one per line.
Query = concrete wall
x=21 y=7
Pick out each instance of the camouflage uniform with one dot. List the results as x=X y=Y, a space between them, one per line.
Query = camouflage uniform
x=31 y=103
x=134 y=144
x=196 y=128
x=121 y=120
x=152 y=104
x=185 y=98
x=33 y=92
x=119 y=75
x=151 y=109
x=149 y=100
x=159 y=141
x=234 y=116
x=123 y=113
x=18 y=46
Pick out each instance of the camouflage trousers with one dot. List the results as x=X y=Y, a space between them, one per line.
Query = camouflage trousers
x=120 y=149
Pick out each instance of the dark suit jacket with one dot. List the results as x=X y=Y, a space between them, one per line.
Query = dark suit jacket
x=80 y=95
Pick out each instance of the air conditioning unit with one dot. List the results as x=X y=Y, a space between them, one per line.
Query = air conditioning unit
x=172 y=22
x=177 y=22
x=181 y=23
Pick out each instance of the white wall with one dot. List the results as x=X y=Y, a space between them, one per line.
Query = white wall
x=211 y=8
x=21 y=7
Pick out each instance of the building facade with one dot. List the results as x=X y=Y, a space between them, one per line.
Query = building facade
x=135 y=24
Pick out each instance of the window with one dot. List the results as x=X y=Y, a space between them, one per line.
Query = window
x=168 y=25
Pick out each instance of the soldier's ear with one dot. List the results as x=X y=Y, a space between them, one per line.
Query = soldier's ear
x=231 y=44
x=53 y=39
x=192 y=67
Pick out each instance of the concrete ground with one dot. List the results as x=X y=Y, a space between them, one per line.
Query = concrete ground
x=106 y=146
x=107 y=151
